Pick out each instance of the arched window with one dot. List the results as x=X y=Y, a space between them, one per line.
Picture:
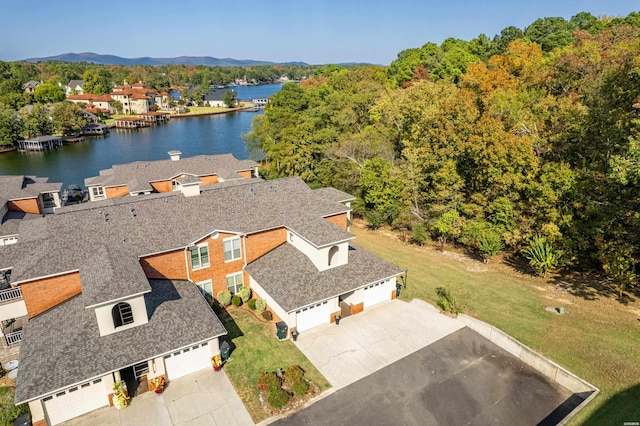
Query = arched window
x=333 y=255
x=121 y=314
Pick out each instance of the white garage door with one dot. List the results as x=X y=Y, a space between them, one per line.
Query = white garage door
x=312 y=316
x=76 y=401
x=376 y=293
x=187 y=361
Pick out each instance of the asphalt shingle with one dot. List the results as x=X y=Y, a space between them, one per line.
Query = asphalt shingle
x=293 y=281
x=62 y=346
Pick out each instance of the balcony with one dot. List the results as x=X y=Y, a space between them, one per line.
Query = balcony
x=13 y=338
x=9 y=294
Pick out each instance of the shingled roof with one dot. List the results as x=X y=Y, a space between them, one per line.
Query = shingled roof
x=152 y=224
x=16 y=187
x=226 y=166
x=293 y=281
x=63 y=346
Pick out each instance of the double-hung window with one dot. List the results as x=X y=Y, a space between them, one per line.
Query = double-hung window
x=234 y=282
x=200 y=256
x=232 y=249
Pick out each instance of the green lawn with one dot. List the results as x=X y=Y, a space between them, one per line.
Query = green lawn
x=598 y=338
x=8 y=411
x=255 y=349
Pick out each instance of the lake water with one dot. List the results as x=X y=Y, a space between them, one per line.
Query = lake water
x=212 y=134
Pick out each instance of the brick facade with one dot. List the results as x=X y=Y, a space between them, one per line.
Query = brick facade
x=261 y=243
x=116 y=191
x=28 y=205
x=171 y=265
x=46 y=293
x=339 y=219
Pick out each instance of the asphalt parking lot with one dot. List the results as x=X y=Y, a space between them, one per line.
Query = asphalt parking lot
x=461 y=379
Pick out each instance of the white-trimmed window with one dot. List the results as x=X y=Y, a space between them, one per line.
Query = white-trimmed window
x=234 y=282
x=200 y=256
x=206 y=288
x=97 y=192
x=232 y=249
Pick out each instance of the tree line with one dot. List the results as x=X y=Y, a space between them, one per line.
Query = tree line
x=534 y=150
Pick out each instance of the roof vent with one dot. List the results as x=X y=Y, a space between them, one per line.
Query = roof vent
x=133 y=212
x=105 y=216
x=175 y=155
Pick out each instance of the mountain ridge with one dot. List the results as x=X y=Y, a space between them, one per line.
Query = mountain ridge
x=106 y=59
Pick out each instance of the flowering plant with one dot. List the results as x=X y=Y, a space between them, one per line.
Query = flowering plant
x=158 y=382
x=216 y=361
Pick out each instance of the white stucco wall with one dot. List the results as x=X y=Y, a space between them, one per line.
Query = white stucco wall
x=37 y=411
x=319 y=256
x=13 y=310
x=271 y=304
x=105 y=319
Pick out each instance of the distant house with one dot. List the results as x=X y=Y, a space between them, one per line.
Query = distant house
x=175 y=174
x=95 y=103
x=216 y=99
x=74 y=85
x=30 y=86
x=138 y=99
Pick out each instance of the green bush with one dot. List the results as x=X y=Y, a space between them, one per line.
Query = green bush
x=245 y=294
x=375 y=218
x=261 y=305
x=278 y=398
x=419 y=234
x=236 y=300
x=224 y=297
x=252 y=304
x=300 y=388
x=448 y=300
x=267 y=315
x=294 y=378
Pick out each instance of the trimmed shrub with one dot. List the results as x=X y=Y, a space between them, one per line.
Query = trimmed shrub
x=261 y=305
x=245 y=294
x=267 y=315
x=294 y=378
x=236 y=300
x=224 y=297
x=252 y=304
x=300 y=388
x=278 y=398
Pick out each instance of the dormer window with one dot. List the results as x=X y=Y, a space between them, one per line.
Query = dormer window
x=333 y=255
x=122 y=314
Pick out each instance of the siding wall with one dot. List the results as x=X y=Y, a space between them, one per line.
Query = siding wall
x=116 y=191
x=29 y=205
x=46 y=293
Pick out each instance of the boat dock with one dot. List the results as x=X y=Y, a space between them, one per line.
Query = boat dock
x=40 y=143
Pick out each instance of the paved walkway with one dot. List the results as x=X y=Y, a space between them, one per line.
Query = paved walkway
x=202 y=398
x=366 y=342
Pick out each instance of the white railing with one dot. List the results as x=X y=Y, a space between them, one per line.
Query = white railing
x=13 y=338
x=10 y=294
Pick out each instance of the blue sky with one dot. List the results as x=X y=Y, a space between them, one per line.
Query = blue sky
x=312 y=31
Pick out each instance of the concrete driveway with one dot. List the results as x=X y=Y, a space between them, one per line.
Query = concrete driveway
x=202 y=398
x=364 y=343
